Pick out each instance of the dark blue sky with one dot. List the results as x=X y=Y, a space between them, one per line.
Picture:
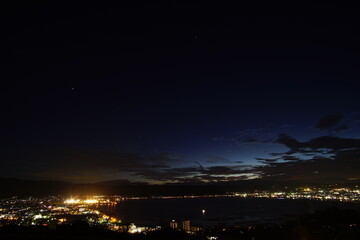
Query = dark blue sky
x=178 y=93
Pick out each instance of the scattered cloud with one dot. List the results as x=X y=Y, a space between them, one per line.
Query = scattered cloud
x=329 y=121
x=324 y=158
x=195 y=173
x=321 y=144
x=342 y=128
x=76 y=165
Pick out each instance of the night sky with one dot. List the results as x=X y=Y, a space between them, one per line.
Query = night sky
x=172 y=92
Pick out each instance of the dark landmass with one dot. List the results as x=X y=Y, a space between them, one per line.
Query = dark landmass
x=82 y=231
x=330 y=224
x=17 y=187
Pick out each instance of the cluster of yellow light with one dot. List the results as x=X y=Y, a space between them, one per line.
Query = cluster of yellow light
x=8 y=217
x=91 y=201
x=134 y=229
x=72 y=201
x=78 y=201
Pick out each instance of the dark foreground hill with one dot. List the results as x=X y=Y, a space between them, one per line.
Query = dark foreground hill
x=84 y=232
x=324 y=225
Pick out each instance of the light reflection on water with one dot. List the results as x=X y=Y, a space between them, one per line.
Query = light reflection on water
x=229 y=211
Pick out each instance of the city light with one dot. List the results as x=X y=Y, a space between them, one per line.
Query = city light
x=47 y=210
x=78 y=201
x=91 y=201
x=72 y=201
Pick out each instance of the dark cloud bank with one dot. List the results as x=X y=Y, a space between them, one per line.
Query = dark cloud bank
x=323 y=159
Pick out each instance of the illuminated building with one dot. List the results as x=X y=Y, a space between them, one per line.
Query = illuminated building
x=195 y=229
x=174 y=224
x=185 y=225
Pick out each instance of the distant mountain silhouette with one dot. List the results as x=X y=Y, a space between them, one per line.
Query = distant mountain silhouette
x=121 y=182
x=16 y=187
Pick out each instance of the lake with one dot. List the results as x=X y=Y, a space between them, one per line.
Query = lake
x=222 y=210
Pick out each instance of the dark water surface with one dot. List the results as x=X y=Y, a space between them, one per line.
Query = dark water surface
x=230 y=211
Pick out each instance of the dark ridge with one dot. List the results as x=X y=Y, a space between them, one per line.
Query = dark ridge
x=22 y=188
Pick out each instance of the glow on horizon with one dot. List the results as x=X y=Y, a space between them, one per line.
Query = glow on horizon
x=78 y=201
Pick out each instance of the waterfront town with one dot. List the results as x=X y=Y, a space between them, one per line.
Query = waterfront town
x=55 y=211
